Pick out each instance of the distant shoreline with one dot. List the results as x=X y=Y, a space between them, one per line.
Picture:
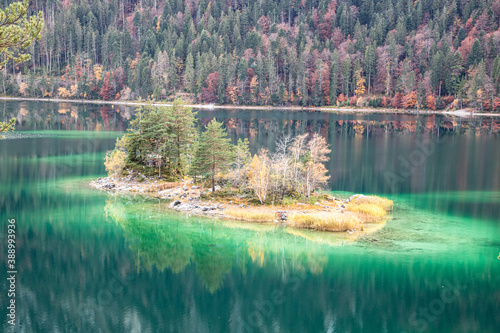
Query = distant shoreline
x=458 y=113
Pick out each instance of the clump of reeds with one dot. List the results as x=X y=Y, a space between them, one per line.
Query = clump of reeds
x=372 y=208
x=326 y=221
x=250 y=215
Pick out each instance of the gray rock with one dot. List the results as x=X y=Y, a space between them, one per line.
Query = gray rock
x=352 y=197
x=283 y=217
x=242 y=206
x=176 y=203
x=194 y=187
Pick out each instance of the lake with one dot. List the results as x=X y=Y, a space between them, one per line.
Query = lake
x=88 y=261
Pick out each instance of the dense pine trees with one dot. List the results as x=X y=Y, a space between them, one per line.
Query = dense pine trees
x=280 y=52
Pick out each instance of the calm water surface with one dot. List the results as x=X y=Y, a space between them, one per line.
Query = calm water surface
x=92 y=262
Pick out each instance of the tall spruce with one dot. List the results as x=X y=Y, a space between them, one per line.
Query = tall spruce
x=214 y=153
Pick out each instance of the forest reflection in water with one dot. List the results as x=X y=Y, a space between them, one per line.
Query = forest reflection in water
x=36 y=115
x=191 y=274
x=163 y=239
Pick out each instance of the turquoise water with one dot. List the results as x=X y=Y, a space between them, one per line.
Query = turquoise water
x=88 y=261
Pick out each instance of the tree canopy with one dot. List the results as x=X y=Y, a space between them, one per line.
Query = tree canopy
x=18 y=31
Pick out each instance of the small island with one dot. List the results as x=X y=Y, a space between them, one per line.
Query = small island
x=165 y=155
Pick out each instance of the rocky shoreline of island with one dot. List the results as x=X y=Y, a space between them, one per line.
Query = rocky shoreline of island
x=187 y=197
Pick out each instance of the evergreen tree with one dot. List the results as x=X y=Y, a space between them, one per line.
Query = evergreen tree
x=214 y=153
x=370 y=63
x=476 y=54
x=495 y=74
x=346 y=75
x=18 y=31
x=180 y=122
x=189 y=74
x=334 y=70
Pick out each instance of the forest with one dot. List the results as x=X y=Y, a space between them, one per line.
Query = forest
x=441 y=54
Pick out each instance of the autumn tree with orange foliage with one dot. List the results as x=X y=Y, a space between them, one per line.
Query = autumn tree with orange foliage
x=410 y=100
x=431 y=102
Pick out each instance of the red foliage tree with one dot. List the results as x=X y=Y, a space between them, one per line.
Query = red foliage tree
x=466 y=47
x=353 y=100
x=496 y=104
x=120 y=78
x=107 y=91
x=337 y=37
x=448 y=99
x=384 y=102
x=468 y=25
x=209 y=94
x=487 y=104
x=264 y=23
x=397 y=101
x=325 y=27
x=250 y=74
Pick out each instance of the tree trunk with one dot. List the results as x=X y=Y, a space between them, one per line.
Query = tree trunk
x=369 y=77
x=213 y=178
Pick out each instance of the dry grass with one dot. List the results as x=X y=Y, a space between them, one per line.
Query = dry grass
x=383 y=203
x=250 y=215
x=370 y=208
x=326 y=221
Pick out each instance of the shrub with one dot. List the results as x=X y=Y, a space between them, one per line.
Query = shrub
x=287 y=201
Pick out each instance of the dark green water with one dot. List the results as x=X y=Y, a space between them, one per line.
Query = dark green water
x=91 y=262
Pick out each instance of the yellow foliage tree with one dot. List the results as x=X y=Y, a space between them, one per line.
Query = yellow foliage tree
x=22 y=88
x=63 y=92
x=253 y=84
x=315 y=172
x=115 y=162
x=74 y=89
x=233 y=93
x=360 y=83
x=259 y=174
x=98 y=72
